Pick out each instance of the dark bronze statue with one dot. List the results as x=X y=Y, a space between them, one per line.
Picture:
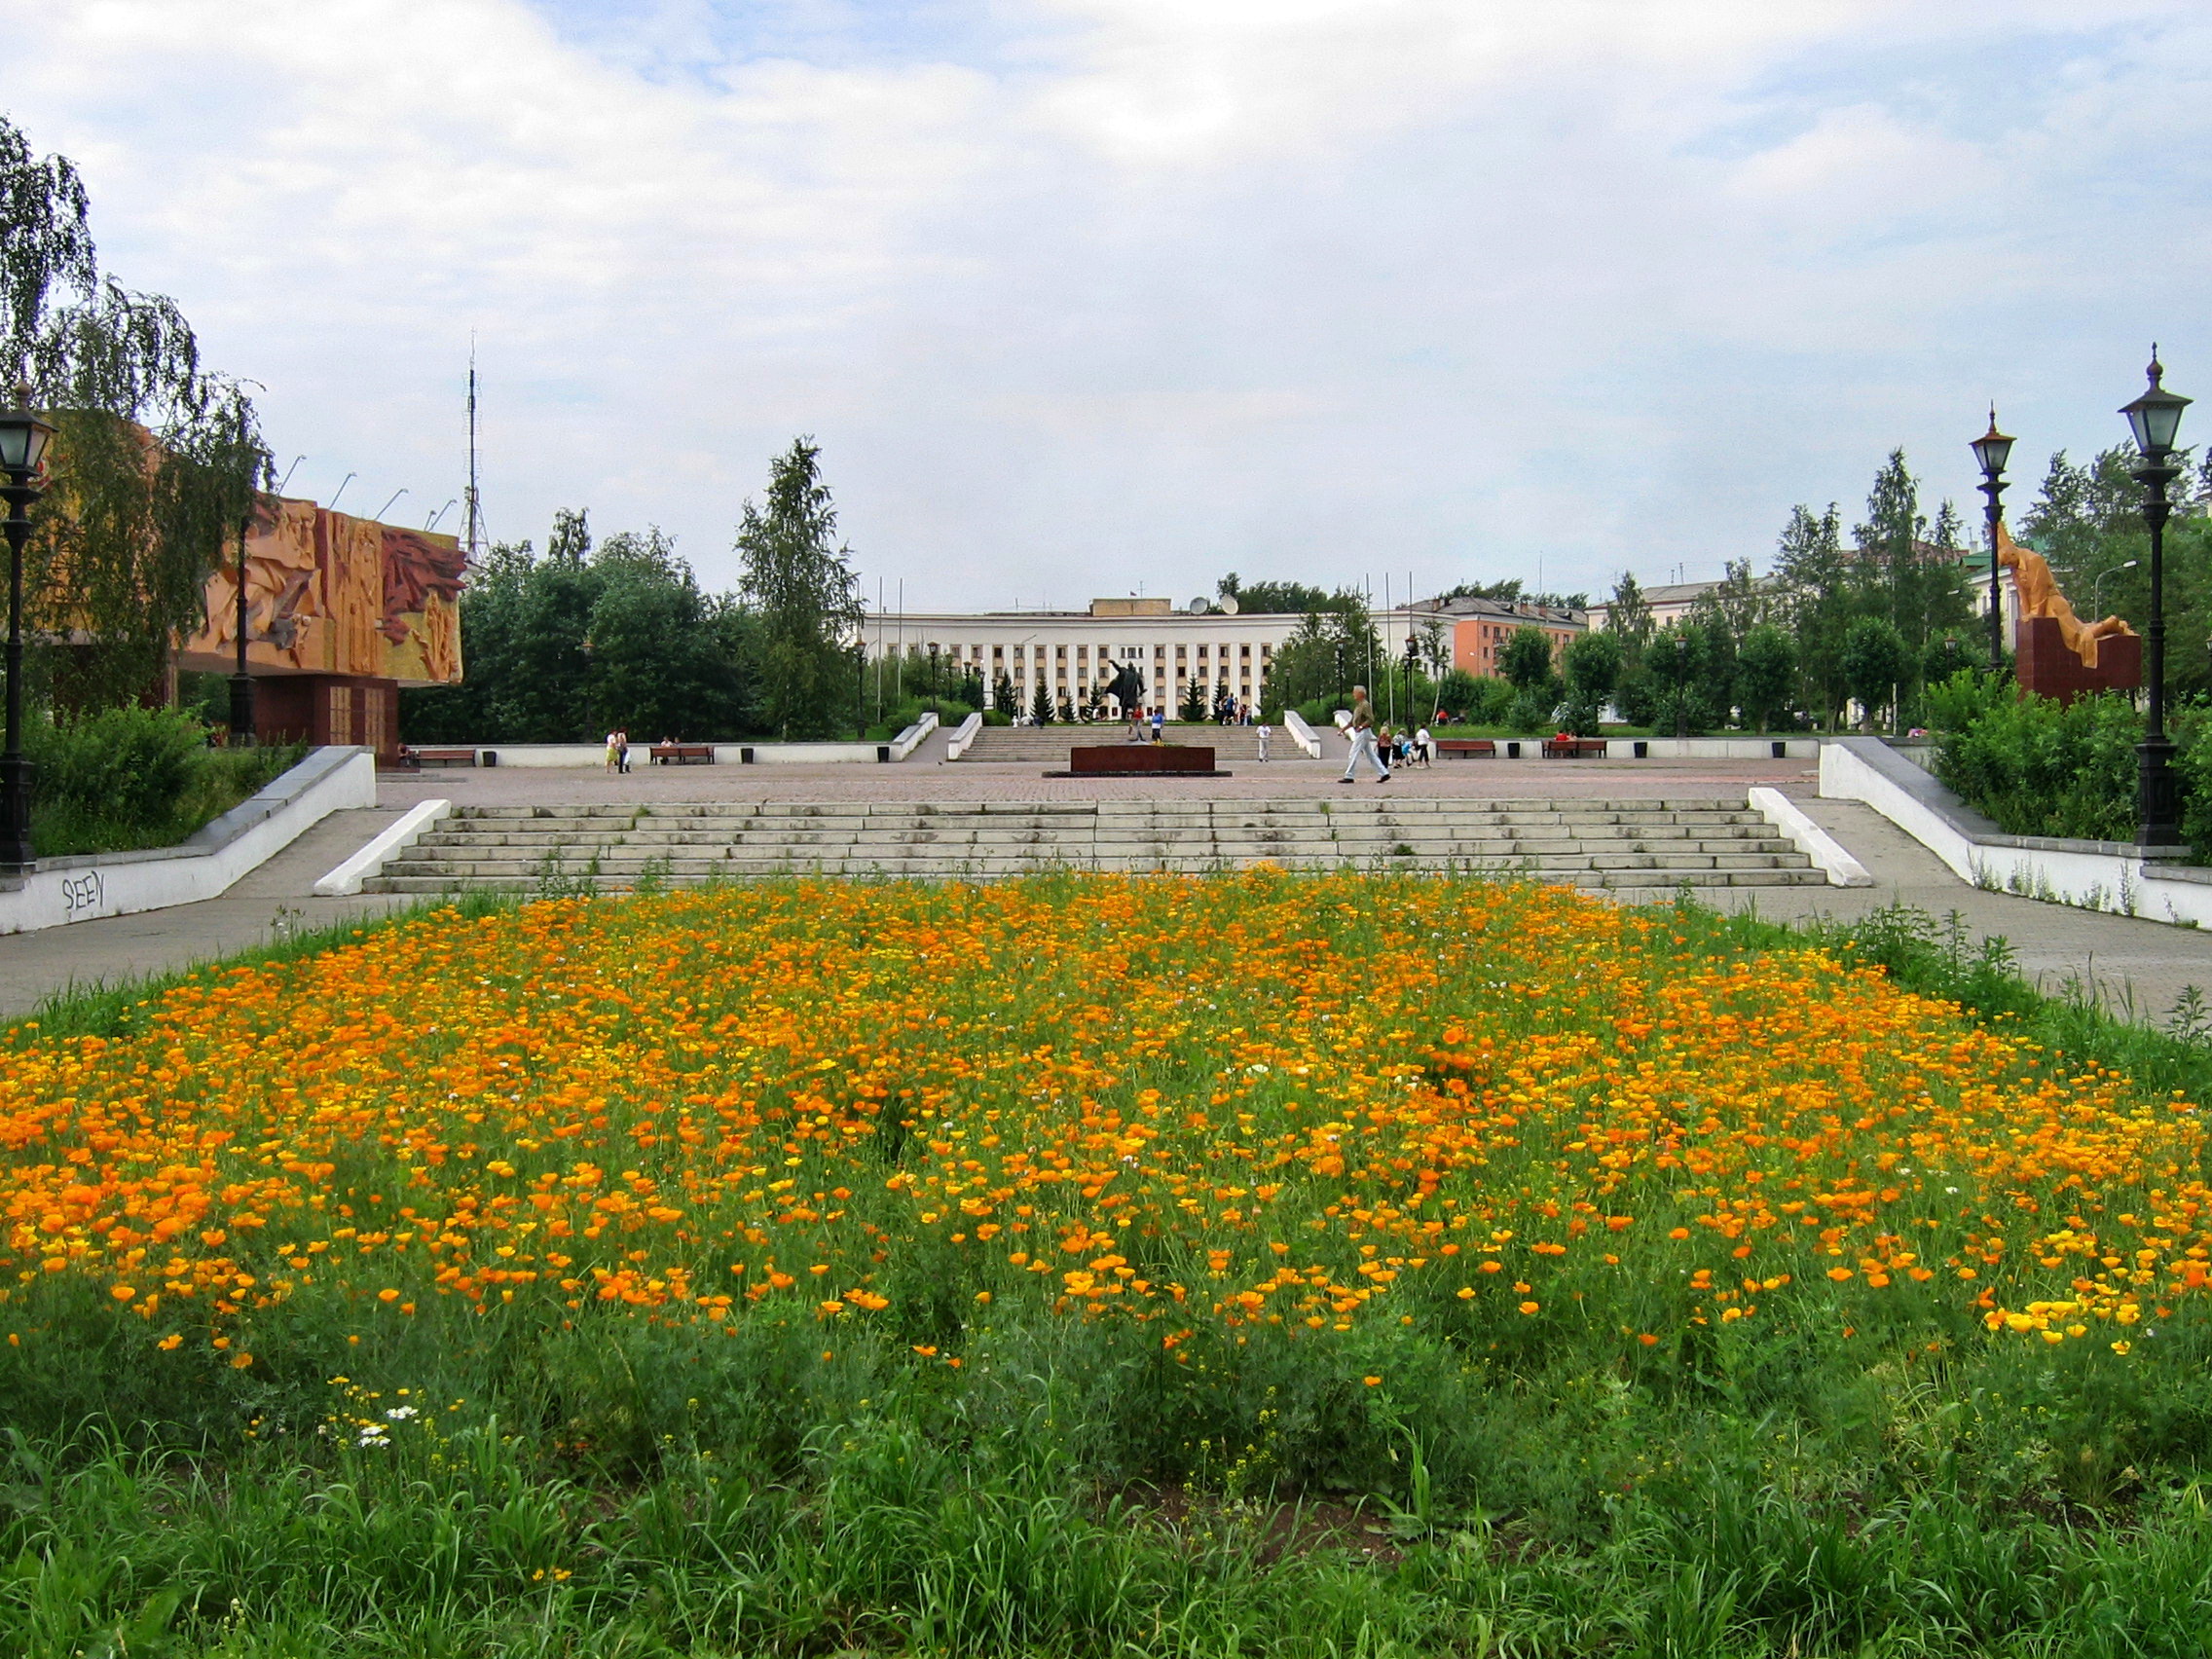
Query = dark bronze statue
x=1126 y=687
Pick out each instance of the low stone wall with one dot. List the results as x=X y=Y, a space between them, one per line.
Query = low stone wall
x=61 y=891
x=2092 y=875
x=586 y=755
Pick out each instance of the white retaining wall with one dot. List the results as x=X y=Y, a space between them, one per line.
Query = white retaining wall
x=725 y=754
x=963 y=736
x=1817 y=844
x=1301 y=733
x=2091 y=875
x=81 y=889
x=395 y=838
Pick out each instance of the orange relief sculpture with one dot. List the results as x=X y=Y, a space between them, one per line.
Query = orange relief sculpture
x=329 y=594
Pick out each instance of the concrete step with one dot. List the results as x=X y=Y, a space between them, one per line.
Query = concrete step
x=1599 y=845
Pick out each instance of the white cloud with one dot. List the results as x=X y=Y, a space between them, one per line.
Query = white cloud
x=1085 y=291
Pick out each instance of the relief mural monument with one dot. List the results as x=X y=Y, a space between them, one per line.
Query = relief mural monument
x=341 y=613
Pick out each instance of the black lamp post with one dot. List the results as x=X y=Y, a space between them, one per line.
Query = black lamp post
x=1992 y=450
x=23 y=450
x=2153 y=418
x=242 y=682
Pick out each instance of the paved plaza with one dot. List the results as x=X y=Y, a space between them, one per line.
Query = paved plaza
x=2133 y=965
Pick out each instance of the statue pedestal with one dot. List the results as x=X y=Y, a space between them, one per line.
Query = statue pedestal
x=2048 y=668
x=1140 y=760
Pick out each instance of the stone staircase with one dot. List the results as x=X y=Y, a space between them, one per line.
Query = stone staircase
x=1648 y=846
x=1049 y=746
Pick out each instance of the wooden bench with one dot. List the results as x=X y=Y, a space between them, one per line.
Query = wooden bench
x=683 y=753
x=408 y=757
x=1467 y=748
x=1575 y=748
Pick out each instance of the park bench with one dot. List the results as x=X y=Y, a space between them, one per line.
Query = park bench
x=1575 y=748
x=413 y=757
x=1467 y=748
x=683 y=753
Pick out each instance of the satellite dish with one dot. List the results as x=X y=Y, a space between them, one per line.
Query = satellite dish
x=1199 y=607
x=1229 y=605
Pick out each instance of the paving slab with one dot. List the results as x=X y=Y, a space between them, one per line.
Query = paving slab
x=2136 y=968
x=119 y=950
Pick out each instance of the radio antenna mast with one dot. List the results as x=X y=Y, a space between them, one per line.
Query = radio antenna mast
x=472 y=533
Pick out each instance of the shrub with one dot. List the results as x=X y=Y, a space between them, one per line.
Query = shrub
x=132 y=777
x=2039 y=768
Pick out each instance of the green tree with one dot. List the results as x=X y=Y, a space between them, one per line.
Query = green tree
x=154 y=459
x=667 y=660
x=1003 y=698
x=564 y=646
x=1526 y=660
x=1271 y=598
x=1629 y=617
x=1671 y=661
x=1876 y=661
x=1194 y=705
x=1592 y=665
x=1766 y=673
x=1817 y=603
x=1331 y=651
x=1041 y=707
x=800 y=588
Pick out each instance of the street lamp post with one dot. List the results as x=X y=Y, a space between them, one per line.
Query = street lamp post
x=2097 y=589
x=1992 y=450
x=22 y=451
x=2155 y=418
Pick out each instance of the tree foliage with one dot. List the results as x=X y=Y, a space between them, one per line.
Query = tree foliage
x=801 y=590
x=1271 y=598
x=155 y=458
x=564 y=645
x=1333 y=648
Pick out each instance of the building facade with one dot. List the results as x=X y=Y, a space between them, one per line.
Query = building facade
x=1074 y=652
x=1480 y=627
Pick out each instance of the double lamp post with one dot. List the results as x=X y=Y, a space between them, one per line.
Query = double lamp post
x=2154 y=420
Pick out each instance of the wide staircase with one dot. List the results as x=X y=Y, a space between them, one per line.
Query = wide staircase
x=1049 y=746
x=1648 y=846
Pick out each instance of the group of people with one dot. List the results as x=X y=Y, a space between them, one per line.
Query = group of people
x=1383 y=748
x=1156 y=721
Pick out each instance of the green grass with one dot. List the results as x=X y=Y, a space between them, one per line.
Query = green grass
x=619 y=1492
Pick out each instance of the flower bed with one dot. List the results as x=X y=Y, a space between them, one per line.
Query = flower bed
x=1455 y=1197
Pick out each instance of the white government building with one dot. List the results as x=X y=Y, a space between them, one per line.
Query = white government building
x=1073 y=651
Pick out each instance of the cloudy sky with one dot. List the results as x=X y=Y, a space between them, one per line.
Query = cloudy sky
x=1084 y=296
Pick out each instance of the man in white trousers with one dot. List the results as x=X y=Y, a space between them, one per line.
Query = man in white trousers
x=1362 y=735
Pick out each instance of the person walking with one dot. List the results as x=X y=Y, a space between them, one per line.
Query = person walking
x=1362 y=735
x=622 y=751
x=613 y=751
x=1159 y=724
x=1264 y=728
